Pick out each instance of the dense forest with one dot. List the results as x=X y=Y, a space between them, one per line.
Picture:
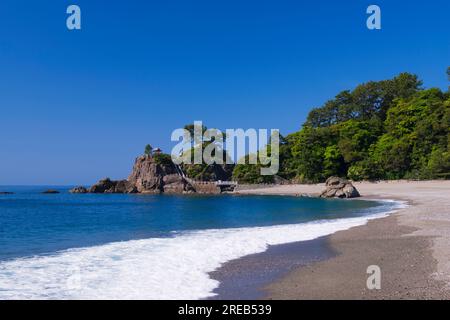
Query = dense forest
x=390 y=129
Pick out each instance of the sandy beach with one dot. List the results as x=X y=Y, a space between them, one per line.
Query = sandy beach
x=411 y=247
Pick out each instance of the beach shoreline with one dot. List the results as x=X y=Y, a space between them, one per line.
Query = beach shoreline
x=410 y=246
x=246 y=278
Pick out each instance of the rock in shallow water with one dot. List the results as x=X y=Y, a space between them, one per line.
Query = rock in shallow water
x=110 y=186
x=79 y=189
x=339 y=188
x=50 y=191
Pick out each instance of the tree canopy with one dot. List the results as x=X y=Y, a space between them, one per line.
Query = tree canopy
x=389 y=129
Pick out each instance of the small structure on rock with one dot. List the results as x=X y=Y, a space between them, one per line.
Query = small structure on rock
x=339 y=188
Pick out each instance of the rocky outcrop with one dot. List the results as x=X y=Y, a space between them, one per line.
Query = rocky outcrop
x=103 y=186
x=50 y=191
x=157 y=174
x=152 y=175
x=124 y=186
x=111 y=186
x=147 y=175
x=339 y=188
x=174 y=183
x=79 y=189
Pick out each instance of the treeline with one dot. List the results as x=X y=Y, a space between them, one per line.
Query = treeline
x=391 y=129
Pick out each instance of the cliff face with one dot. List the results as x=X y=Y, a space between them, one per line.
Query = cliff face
x=151 y=176
x=147 y=175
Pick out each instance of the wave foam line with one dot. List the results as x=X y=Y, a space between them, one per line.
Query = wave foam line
x=156 y=268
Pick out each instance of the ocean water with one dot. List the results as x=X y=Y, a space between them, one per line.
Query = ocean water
x=114 y=246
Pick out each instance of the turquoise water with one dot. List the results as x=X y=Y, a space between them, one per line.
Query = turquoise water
x=143 y=242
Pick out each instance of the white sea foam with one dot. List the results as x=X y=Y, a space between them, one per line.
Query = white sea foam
x=156 y=268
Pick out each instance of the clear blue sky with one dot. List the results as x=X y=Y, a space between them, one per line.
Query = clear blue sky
x=77 y=106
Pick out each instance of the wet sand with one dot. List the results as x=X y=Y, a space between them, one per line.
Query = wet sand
x=411 y=247
x=246 y=278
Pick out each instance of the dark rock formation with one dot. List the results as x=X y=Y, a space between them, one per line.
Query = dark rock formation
x=124 y=186
x=339 y=188
x=111 y=186
x=50 y=191
x=79 y=189
x=102 y=186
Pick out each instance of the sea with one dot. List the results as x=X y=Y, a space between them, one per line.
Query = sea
x=132 y=246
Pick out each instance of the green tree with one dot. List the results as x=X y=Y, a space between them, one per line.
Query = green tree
x=308 y=150
x=366 y=101
x=250 y=173
x=366 y=169
x=393 y=155
x=204 y=171
x=355 y=138
x=191 y=129
x=333 y=162
x=148 y=150
x=448 y=77
x=163 y=159
x=438 y=165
